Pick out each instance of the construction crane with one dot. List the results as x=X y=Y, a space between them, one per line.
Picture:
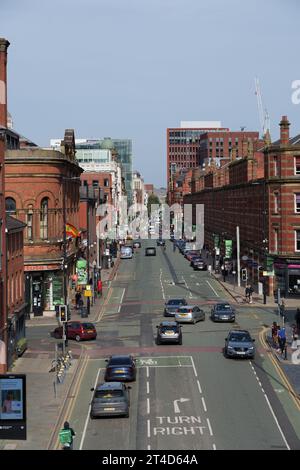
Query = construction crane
x=264 y=116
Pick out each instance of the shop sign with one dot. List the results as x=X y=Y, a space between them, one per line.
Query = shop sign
x=228 y=248
x=81 y=271
x=42 y=267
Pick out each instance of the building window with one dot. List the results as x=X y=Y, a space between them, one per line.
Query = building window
x=297 y=165
x=297 y=240
x=44 y=219
x=106 y=183
x=297 y=203
x=95 y=184
x=10 y=205
x=29 y=222
x=276 y=202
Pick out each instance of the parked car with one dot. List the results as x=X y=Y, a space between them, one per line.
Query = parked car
x=199 y=264
x=239 y=344
x=160 y=242
x=189 y=314
x=189 y=254
x=126 y=252
x=172 y=305
x=150 y=251
x=223 y=312
x=110 y=399
x=120 y=369
x=169 y=332
x=76 y=330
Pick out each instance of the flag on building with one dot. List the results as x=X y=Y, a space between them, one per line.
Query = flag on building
x=72 y=231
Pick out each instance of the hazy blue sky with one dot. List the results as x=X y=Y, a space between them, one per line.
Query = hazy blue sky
x=132 y=68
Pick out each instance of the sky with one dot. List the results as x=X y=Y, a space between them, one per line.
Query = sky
x=133 y=68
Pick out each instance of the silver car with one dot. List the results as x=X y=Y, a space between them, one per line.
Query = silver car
x=110 y=399
x=223 y=312
x=189 y=314
x=239 y=344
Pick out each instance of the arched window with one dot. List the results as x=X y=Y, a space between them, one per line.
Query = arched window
x=44 y=219
x=29 y=222
x=10 y=205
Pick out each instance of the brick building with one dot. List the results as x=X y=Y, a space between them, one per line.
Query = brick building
x=42 y=190
x=260 y=193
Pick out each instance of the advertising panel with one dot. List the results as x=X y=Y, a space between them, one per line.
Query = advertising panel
x=13 y=406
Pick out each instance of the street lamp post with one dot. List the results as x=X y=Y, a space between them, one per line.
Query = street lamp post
x=88 y=304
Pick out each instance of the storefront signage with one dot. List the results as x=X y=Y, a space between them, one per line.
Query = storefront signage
x=42 y=268
x=13 y=406
x=228 y=248
x=81 y=271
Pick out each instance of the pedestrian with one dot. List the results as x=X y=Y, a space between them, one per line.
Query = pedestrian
x=275 y=329
x=250 y=293
x=297 y=320
x=224 y=273
x=282 y=308
x=77 y=299
x=99 y=287
x=210 y=269
x=247 y=294
x=282 y=339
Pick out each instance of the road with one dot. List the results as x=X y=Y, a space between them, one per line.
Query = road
x=185 y=397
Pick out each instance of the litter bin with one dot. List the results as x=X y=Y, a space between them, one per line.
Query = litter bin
x=83 y=312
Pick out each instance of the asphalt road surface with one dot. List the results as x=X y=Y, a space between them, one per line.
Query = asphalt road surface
x=185 y=397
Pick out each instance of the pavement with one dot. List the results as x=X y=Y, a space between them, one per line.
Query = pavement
x=47 y=400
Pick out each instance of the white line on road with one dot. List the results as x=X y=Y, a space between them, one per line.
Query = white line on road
x=190 y=294
x=148 y=406
x=147 y=370
x=199 y=386
x=195 y=372
x=214 y=447
x=148 y=428
x=209 y=426
x=276 y=421
x=212 y=289
x=148 y=390
x=121 y=300
x=149 y=447
x=204 y=405
x=88 y=415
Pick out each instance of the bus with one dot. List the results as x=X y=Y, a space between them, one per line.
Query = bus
x=126 y=252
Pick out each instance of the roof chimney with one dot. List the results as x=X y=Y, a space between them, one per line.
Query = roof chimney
x=284 y=131
x=3 y=81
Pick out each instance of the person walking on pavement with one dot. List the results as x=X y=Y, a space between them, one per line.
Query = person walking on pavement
x=247 y=294
x=99 y=287
x=250 y=293
x=275 y=329
x=77 y=299
x=282 y=308
x=282 y=339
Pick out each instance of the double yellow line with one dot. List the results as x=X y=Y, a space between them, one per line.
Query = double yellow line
x=280 y=372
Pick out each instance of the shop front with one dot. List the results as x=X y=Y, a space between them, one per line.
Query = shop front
x=287 y=277
x=44 y=288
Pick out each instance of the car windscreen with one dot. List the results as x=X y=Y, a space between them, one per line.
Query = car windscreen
x=176 y=302
x=120 y=361
x=223 y=307
x=108 y=393
x=185 y=310
x=88 y=326
x=240 y=338
x=164 y=329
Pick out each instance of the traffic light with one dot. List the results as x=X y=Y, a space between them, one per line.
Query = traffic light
x=63 y=313
x=244 y=274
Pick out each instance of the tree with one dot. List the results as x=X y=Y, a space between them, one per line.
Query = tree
x=152 y=199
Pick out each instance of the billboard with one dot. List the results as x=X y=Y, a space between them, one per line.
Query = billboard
x=13 y=406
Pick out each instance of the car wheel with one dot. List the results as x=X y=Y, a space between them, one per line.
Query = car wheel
x=77 y=337
x=225 y=353
x=180 y=342
x=92 y=416
x=158 y=342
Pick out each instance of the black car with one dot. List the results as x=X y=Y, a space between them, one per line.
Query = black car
x=150 y=251
x=120 y=369
x=239 y=344
x=160 y=242
x=169 y=332
x=172 y=306
x=199 y=264
x=223 y=312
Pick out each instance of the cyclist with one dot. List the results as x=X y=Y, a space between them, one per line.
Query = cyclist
x=66 y=436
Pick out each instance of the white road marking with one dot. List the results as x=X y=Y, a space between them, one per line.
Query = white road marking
x=204 y=405
x=148 y=406
x=148 y=428
x=190 y=294
x=121 y=300
x=212 y=289
x=276 y=421
x=209 y=426
x=214 y=447
x=148 y=388
x=88 y=415
x=199 y=386
x=149 y=447
x=147 y=371
x=195 y=372
x=161 y=284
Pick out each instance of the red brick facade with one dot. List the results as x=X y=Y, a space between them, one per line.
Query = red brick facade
x=259 y=194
